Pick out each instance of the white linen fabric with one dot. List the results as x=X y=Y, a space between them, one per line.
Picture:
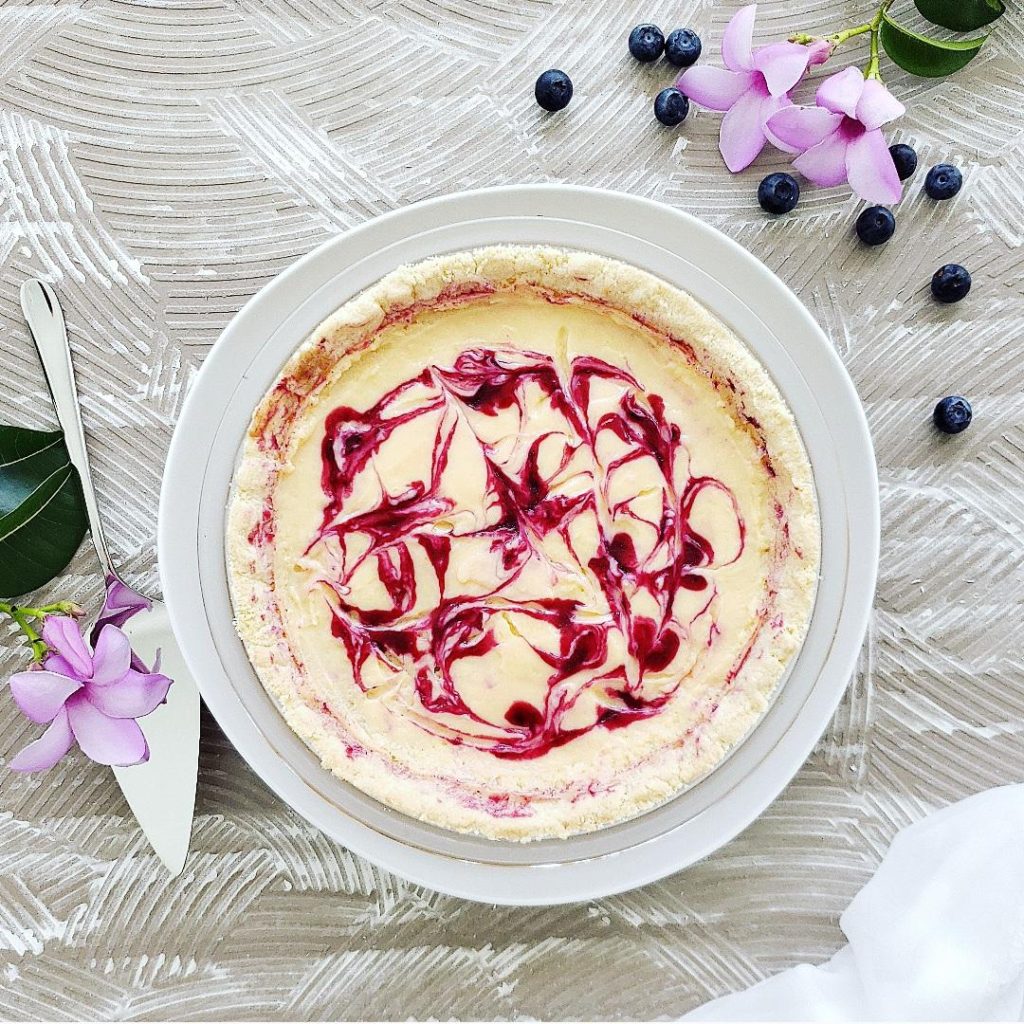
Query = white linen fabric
x=937 y=934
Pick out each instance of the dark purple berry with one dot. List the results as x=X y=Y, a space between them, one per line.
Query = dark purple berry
x=778 y=193
x=943 y=181
x=646 y=43
x=953 y=414
x=951 y=283
x=905 y=159
x=682 y=48
x=876 y=225
x=671 y=107
x=553 y=90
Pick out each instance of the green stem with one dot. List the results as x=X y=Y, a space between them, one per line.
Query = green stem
x=24 y=617
x=838 y=38
x=848 y=33
x=871 y=71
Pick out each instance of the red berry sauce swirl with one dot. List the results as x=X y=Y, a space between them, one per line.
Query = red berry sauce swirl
x=558 y=504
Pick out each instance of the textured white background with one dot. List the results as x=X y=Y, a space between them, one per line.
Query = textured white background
x=161 y=161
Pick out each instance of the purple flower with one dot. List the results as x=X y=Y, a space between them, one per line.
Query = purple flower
x=753 y=85
x=841 y=138
x=92 y=695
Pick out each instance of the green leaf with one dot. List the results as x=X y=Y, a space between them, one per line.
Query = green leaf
x=924 y=56
x=961 y=15
x=42 y=517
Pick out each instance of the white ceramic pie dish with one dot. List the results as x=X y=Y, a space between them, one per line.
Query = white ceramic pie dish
x=743 y=293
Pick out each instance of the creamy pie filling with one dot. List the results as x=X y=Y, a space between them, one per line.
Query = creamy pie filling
x=512 y=556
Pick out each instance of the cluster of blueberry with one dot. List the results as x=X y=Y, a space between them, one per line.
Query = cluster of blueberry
x=876 y=225
x=779 y=193
x=646 y=43
x=950 y=283
x=681 y=48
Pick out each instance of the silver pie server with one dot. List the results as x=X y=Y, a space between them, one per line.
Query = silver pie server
x=161 y=792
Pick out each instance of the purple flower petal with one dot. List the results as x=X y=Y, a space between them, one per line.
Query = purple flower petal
x=819 y=52
x=871 y=171
x=770 y=106
x=41 y=695
x=841 y=93
x=715 y=88
x=63 y=637
x=738 y=38
x=106 y=740
x=119 y=605
x=135 y=695
x=58 y=665
x=825 y=163
x=112 y=656
x=878 y=106
x=742 y=135
x=782 y=64
x=802 y=127
x=46 y=751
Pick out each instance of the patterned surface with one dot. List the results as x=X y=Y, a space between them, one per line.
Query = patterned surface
x=161 y=161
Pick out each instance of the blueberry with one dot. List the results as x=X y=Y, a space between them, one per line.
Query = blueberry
x=778 y=193
x=951 y=283
x=671 y=107
x=553 y=89
x=646 y=43
x=682 y=47
x=953 y=414
x=876 y=225
x=943 y=181
x=905 y=159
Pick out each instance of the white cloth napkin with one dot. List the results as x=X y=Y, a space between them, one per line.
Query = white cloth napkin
x=937 y=934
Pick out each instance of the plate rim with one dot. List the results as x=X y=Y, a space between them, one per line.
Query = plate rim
x=475 y=880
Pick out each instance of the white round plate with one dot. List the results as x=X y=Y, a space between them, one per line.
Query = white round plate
x=676 y=247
